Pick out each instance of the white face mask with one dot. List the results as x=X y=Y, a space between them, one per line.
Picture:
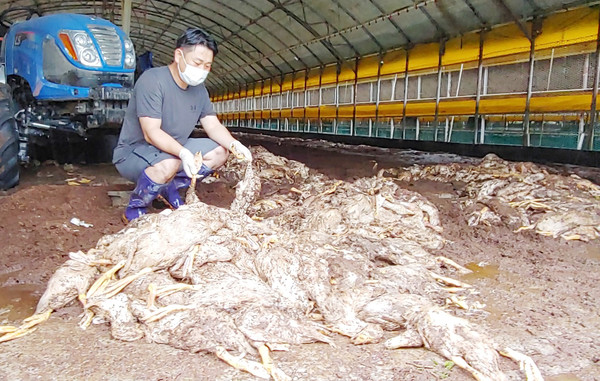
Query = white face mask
x=193 y=76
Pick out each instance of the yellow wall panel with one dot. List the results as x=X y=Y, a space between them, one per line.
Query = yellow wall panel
x=286 y=113
x=346 y=111
x=424 y=56
x=328 y=112
x=287 y=82
x=461 y=50
x=299 y=80
x=457 y=107
x=574 y=102
x=502 y=105
x=298 y=113
x=390 y=109
x=566 y=28
x=266 y=86
x=568 y=50
x=420 y=108
x=329 y=75
x=368 y=67
x=276 y=86
x=347 y=72
x=365 y=111
x=312 y=112
x=313 y=77
x=394 y=62
x=505 y=40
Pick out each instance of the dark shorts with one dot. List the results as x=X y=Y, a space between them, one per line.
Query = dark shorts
x=147 y=155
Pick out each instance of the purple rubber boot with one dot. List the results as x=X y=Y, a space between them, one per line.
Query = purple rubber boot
x=180 y=181
x=170 y=194
x=145 y=191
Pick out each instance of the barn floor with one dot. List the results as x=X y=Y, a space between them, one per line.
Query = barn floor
x=541 y=294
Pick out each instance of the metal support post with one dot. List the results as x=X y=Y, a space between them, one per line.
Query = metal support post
x=126 y=16
x=319 y=99
x=353 y=125
x=536 y=26
x=377 y=96
x=439 y=90
x=336 y=96
x=482 y=134
x=404 y=101
x=478 y=95
x=581 y=132
x=550 y=70
x=457 y=92
x=291 y=101
x=588 y=142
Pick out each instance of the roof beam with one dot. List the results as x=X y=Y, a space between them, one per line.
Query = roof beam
x=483 y=22
x=254 y=35
x=393 y=22
x=441 y=32
x=241 y=51
x=356 y=21
x=309 y=28
x=515 y=18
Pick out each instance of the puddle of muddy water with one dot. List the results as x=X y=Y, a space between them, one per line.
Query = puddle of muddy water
x=480 y=271
x=501 y=282
x=17 y=302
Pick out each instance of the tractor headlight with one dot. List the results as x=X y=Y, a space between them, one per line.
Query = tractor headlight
x=89 y=57
x=129 y=61
x=81 y=47
x=129 y=54
x=83 y=40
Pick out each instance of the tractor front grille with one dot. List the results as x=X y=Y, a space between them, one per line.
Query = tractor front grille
x=109 y=42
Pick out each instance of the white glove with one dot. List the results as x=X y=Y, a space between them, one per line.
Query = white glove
x=240 y=151
x=187 y=160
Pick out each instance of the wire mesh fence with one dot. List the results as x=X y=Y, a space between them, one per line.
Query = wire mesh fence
x=499 y=102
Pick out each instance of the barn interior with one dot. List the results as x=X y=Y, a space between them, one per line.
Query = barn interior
x=422 y=203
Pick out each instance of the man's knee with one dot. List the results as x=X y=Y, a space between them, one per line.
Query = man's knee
x=163 y=171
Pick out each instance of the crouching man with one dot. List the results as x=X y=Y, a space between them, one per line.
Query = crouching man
x=155 y=150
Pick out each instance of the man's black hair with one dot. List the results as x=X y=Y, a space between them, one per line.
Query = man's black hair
x=196 y=36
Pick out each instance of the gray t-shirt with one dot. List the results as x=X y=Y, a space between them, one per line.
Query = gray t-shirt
x=157 y=95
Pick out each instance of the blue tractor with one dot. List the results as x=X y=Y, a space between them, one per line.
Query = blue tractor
x=71 y=76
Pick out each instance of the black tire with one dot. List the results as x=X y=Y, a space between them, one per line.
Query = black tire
x=9 y=150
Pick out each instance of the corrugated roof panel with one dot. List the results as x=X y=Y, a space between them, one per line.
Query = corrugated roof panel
x=416 y=26
x=454 y=16
x=258 y=38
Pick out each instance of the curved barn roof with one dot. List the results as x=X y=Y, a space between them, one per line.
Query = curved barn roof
x=261 y=39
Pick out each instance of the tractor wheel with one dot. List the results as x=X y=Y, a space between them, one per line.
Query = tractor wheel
x=9 y=149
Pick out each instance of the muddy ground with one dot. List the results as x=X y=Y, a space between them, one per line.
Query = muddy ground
x=541 y=294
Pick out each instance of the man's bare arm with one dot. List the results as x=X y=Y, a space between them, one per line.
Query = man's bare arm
x=216 y=131
x=157 y=137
